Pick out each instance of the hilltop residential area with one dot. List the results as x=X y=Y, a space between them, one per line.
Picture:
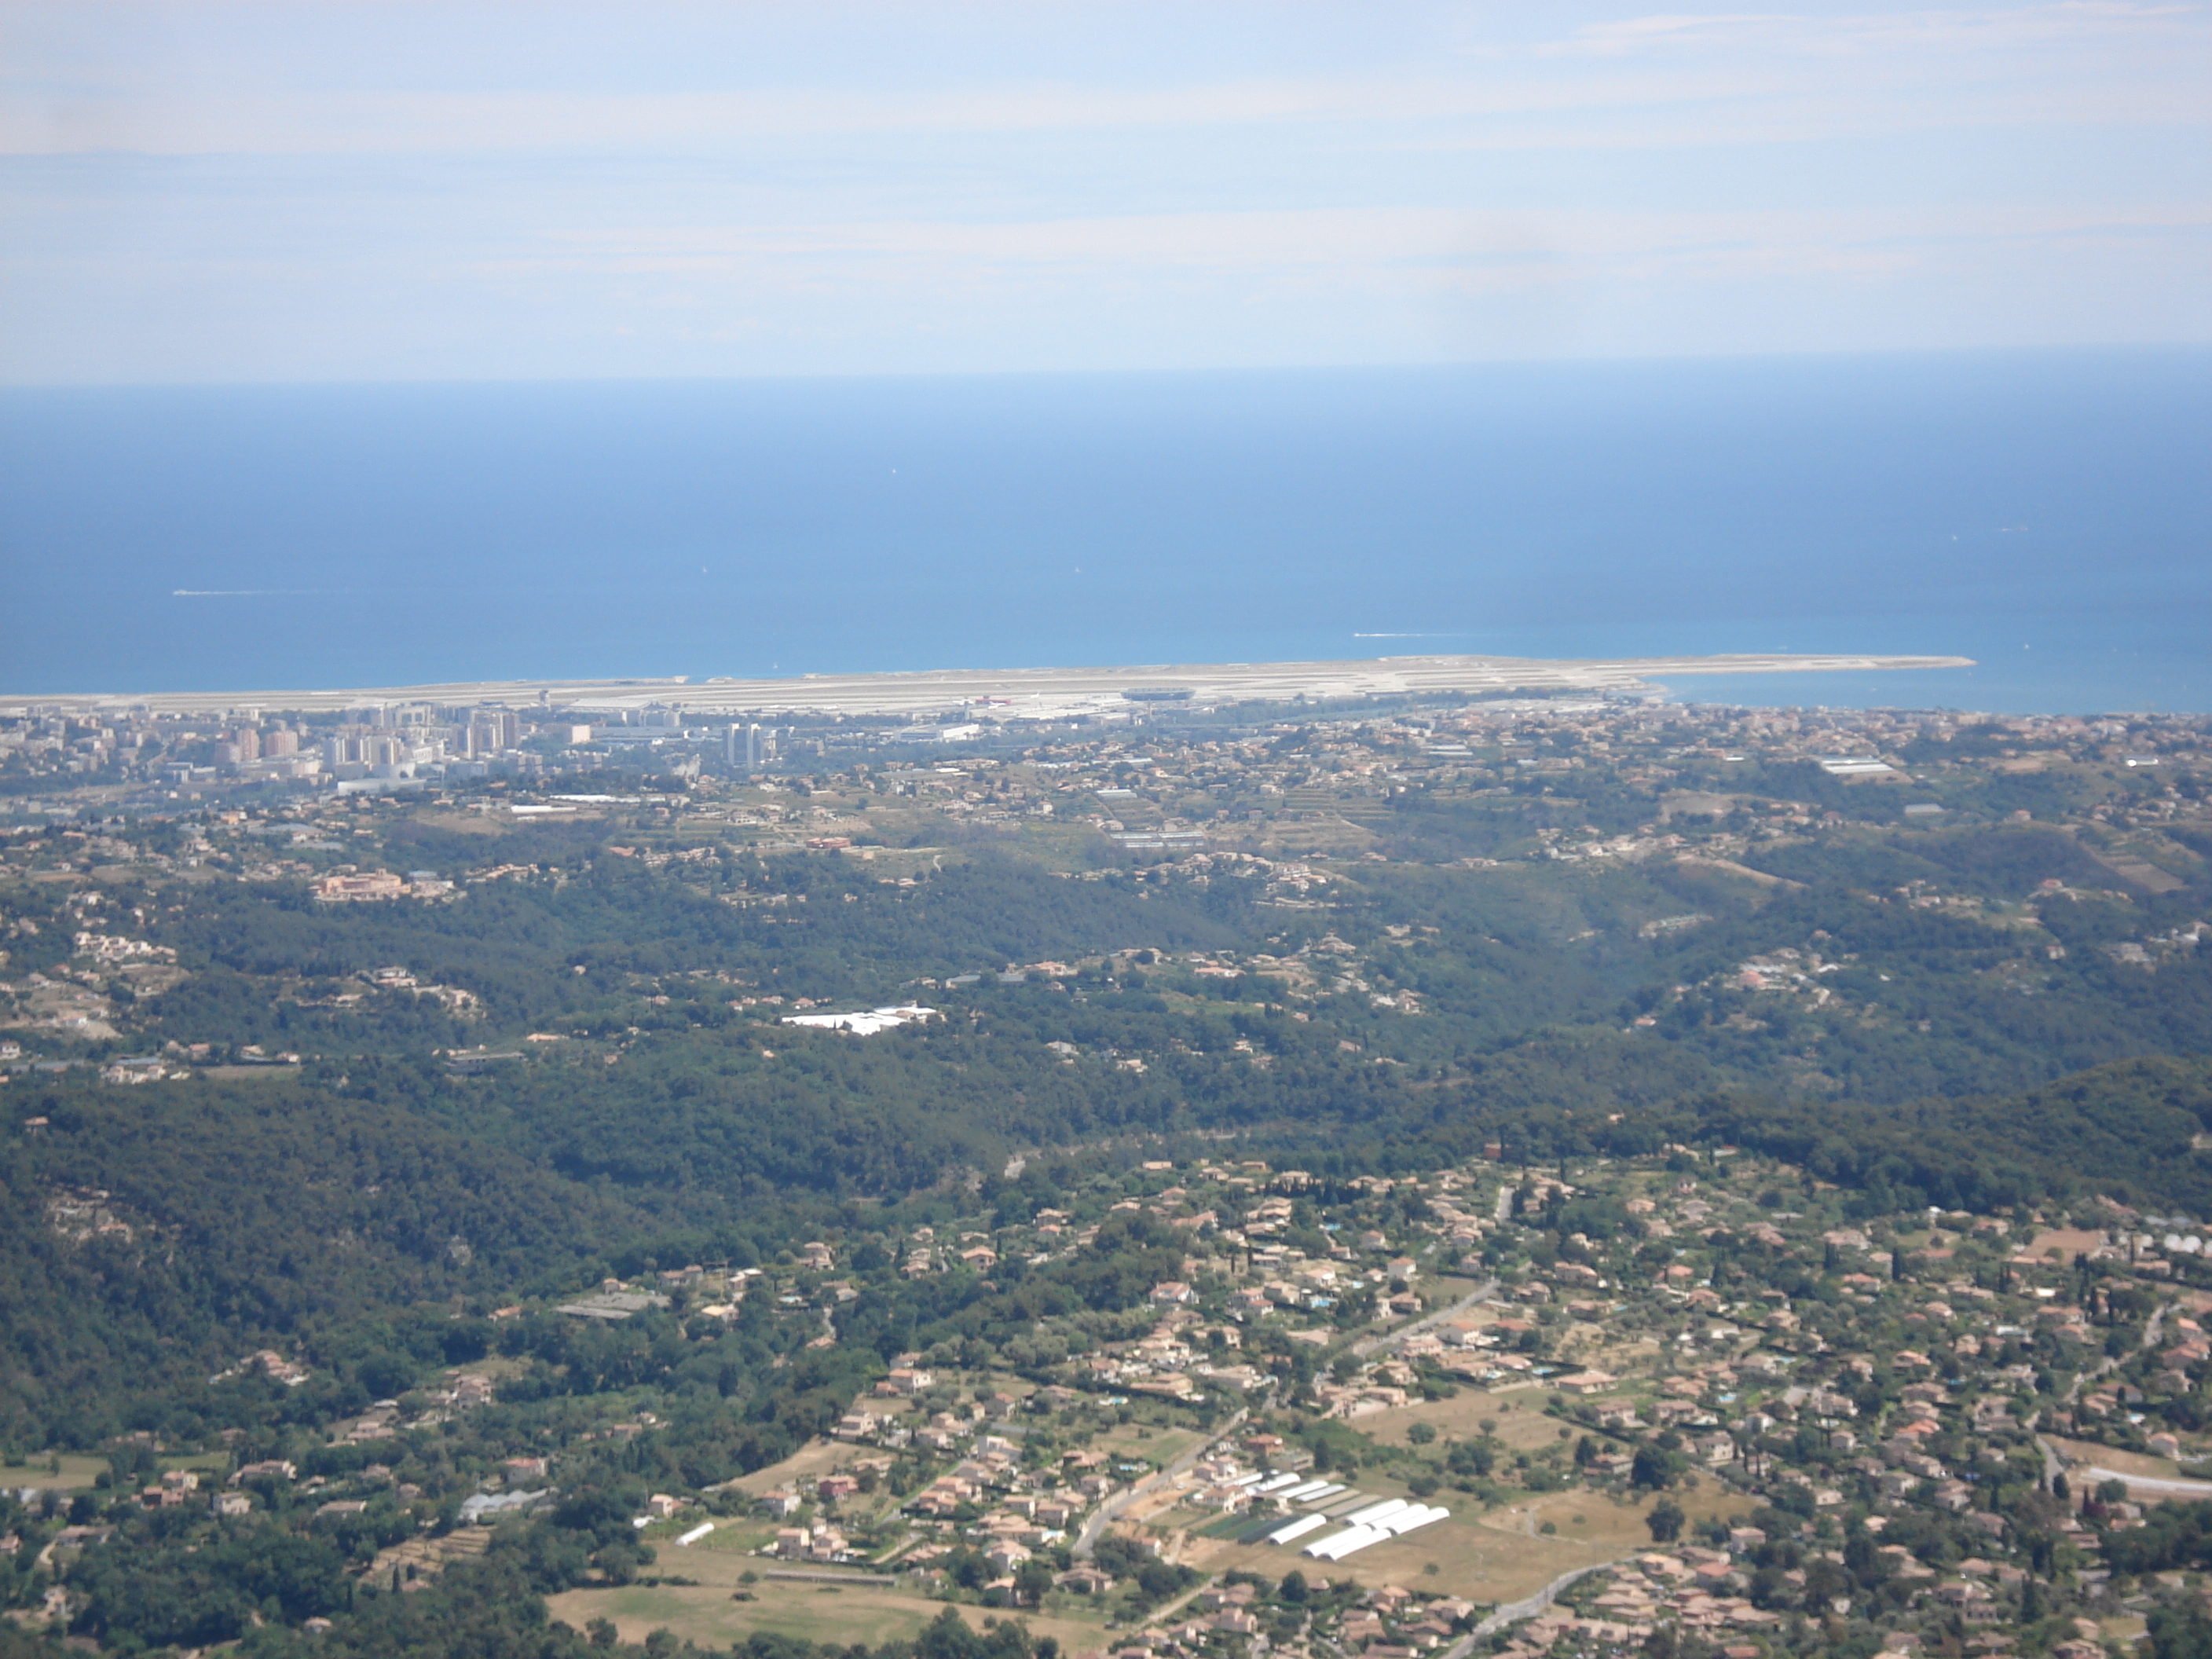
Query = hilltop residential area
x=1530 y=1176
x=1701 y=1395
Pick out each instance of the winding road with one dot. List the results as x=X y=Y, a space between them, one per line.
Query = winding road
x=1383 y=1344
x=1511 y=1611
x=1108 y=1508
x=2054 y=1462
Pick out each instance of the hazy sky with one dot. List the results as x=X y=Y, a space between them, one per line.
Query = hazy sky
x=196 y=191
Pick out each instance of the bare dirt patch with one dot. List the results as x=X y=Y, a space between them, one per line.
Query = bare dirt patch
x=150 y=979
x=1519 y=1416
x=802 y=1469
x=835 y=1614
x=2067 y=1242
x=2120 y=1462
x=463 y=824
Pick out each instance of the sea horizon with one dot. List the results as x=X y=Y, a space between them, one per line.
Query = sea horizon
x=2038 y=511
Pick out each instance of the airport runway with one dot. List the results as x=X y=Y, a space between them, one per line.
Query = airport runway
x=1002 y=694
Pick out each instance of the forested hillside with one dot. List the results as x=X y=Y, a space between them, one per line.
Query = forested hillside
x=246 y=1117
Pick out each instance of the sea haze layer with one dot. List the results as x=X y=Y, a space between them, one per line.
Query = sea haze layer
x=2045 y=513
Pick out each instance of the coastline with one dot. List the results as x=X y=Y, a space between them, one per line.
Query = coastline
x=1010 y=694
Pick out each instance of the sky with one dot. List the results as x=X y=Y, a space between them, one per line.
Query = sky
x=197 y=192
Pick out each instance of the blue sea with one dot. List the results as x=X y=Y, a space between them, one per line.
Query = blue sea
x=2046 y=513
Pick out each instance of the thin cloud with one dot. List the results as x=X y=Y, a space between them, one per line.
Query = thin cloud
x=1348 y=238
x=2073 y=23
x=1796 y=177
x=1623 y=67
